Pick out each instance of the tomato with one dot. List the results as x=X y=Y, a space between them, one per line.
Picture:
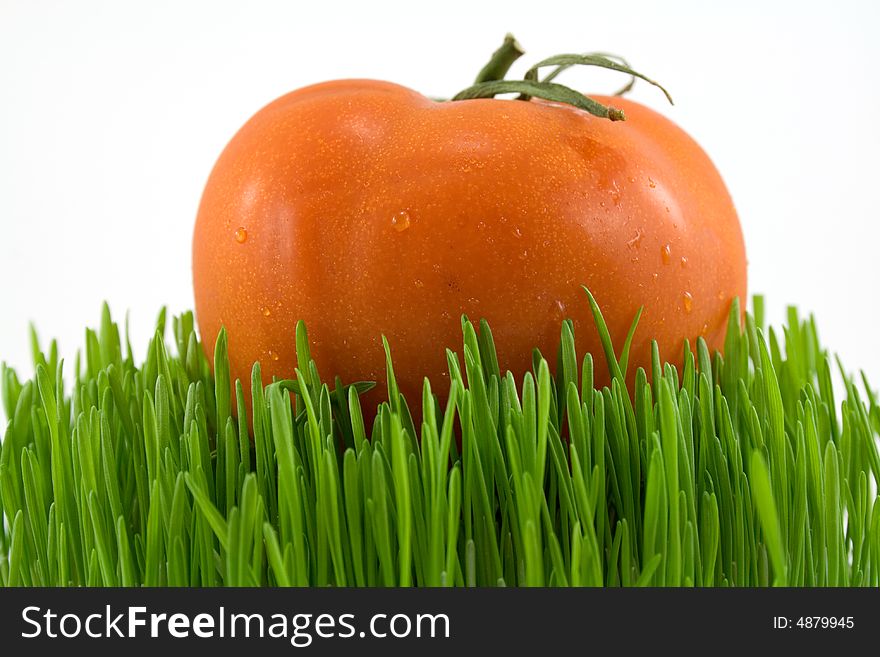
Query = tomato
x=367 y=209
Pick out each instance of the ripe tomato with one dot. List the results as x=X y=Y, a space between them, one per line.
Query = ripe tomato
x=364 y=208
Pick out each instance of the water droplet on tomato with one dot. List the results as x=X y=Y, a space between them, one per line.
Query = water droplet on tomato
x=266 y=311
x=688 y=300
x=705 y=328
x=666 y=253
x=524 y=254
x=721 y=296
x=273 y=355
x=400 y=221
x=559 y=309
x=615 y=192
x=517 y=232
x=684 y=261
x=241 y=235
x=636 y=240
x=651 y=183
x=418 y=283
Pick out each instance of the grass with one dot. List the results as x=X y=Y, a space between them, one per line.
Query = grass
x=735 y=471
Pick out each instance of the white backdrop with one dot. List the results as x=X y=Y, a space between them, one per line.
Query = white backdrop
x=112 y=114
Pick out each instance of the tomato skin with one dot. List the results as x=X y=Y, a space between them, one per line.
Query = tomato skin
x=366 y=209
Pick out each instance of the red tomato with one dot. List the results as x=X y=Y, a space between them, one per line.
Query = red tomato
x=364 y=208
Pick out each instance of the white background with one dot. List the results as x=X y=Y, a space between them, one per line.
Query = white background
x=112 y=114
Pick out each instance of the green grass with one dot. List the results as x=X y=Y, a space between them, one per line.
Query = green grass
x=734 y=471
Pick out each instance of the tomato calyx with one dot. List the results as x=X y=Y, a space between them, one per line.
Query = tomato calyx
x=491 y=80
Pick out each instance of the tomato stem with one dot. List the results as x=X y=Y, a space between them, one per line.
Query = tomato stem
x=501 y=61
x=625 y=89
x=491 y=82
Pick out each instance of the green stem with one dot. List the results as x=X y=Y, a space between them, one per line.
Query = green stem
x=502 y=60
x=551 y=91
x=491 y=81
x=620 y=92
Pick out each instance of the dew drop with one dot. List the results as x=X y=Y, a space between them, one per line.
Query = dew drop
x=517 y=232
x=557 y=311
x=418 y=282
x=266 y=311
x=632 y=179
x=241 y=235
x=656 y=276
x=721 y=296
x=666 y=253
x=651 y=183
x=400 y=221
x=636 y=240
x=688 y=301
x=684 y=261
x=273 y=355
x=524 y=254
x=705 y=329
